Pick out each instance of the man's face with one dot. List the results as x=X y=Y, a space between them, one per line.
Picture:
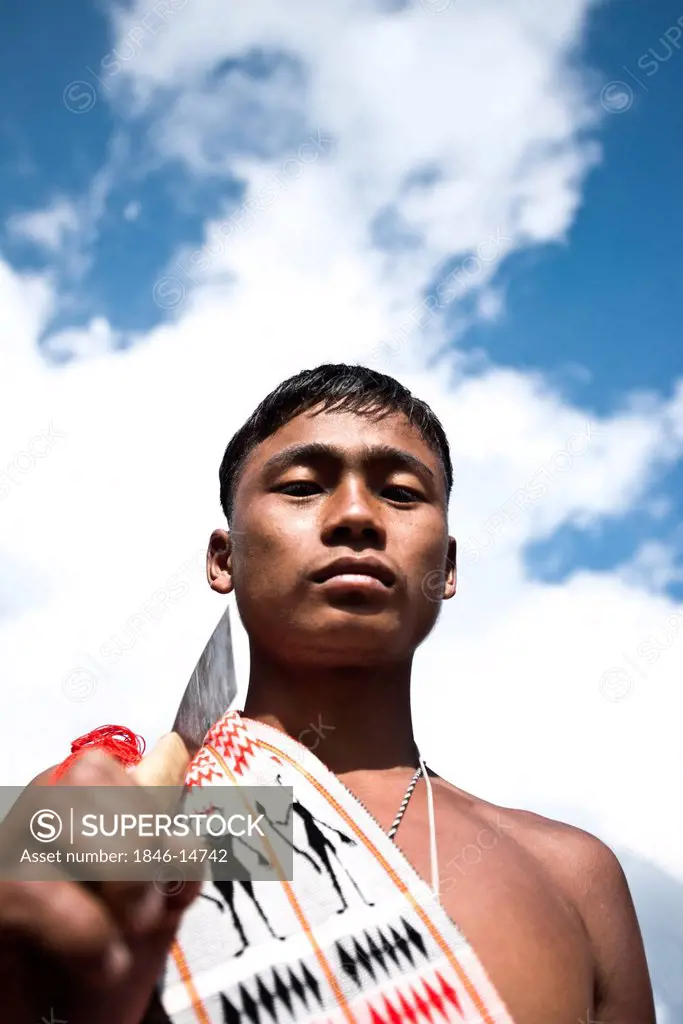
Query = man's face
x=298 y=512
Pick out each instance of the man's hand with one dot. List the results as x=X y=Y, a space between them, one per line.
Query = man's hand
x=84 y=952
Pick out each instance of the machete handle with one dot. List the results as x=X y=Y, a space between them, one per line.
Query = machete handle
x=165 y=765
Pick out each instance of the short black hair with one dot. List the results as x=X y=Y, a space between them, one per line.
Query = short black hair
x=353 y=388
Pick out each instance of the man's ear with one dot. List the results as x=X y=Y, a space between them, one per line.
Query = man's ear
x=451 y=568
x=219 y=562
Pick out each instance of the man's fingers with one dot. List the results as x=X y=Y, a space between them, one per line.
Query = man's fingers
x=68 y=923
x=180 y=896
x=95 y=768
x=166 y=765
x=97 y=945
x=139 y=906
x=136 y=907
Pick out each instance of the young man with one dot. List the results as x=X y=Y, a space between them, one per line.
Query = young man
x=336 y=495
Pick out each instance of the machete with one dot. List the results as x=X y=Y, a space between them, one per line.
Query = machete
x=210 y=691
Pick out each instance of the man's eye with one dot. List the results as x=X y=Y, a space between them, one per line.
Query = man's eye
x=295 y=487
x=306 y=488
x=404 y=493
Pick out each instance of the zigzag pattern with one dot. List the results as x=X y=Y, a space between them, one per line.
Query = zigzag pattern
x=274 y=997
x=365 y=956
x=417 y=1007
x=230 y=738
x=202 y=770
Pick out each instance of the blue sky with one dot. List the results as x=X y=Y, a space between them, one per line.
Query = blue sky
x=56 y=143
x=591 y=302
x=449 y=123
x=608 y=300
x=601 y=313
x=597 y=311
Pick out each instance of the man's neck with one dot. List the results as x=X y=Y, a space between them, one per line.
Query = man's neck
x=351 y=718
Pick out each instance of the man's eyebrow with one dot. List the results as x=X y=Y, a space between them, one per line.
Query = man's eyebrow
x=313 y=451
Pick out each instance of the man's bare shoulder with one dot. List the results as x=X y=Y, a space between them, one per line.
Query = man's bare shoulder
x=587 y=876
x=591 y=878
x=574 y=858
x=570 y=852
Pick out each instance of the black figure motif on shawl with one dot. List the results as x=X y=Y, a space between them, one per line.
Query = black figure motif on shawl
x=320 y=845
x=241 y=876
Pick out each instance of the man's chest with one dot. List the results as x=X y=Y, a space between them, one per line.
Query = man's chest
x=522 y=926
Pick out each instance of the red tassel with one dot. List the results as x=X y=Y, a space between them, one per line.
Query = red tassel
x=122 y=743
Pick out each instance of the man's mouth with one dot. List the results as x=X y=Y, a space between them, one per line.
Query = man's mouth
x=356 y=573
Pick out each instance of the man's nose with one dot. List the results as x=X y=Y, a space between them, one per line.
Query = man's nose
x=353 y=511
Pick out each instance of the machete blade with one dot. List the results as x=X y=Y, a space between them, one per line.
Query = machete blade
x=211 y=689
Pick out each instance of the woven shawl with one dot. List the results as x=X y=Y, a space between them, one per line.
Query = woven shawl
x=357 y=937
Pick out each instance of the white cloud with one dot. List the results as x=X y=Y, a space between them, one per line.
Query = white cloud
x=46 y=228
x=482 y=95
x=95 y=339
x=27 y=303
x=131 y=211
x=538 y=704
x=68 y=227
x=653 y=566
